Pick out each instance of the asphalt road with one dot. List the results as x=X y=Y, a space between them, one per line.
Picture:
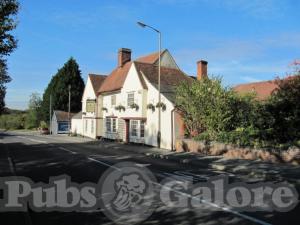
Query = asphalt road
x=41 y=157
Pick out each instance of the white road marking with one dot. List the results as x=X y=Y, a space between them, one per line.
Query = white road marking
x=67 y=150
x=103 y=163
x=143 y=165
x=33 y=140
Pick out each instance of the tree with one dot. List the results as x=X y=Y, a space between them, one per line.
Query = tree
x=284 y=105
x=213 y=112
x=69 y=74
x=8 y=11
x=33 y=116
x=206 y=106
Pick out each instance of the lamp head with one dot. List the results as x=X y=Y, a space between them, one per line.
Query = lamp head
x=141 y=24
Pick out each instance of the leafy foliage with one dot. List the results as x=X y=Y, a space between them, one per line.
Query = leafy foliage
x=33 y=116
x=8 y=11
x=120 y=108
x=206 y=106
x=134 y=106
x=12 y=121
x=151 y=106
x=215 y=113
x=69 y=74
x=161 y=105
x=285 y=107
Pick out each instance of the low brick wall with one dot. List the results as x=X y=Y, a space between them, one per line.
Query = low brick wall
x=292 y=155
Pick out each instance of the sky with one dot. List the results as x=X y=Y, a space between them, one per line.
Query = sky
x=243 y=41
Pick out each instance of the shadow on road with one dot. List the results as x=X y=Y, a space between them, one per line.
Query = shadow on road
x=41 y=161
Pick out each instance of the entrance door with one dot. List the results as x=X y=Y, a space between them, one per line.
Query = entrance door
x=127 y=130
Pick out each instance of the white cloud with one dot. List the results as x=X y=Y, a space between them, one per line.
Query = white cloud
x=250 y=79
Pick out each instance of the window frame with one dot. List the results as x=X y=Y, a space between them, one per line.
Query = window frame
x=108 y=127
x=142 y=128
x=113 y=100
x=114 y=125
x=134 y=123
x=130 y=100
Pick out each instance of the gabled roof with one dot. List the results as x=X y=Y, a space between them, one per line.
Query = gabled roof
x=262 y=89
x=115 y=79
x=62 y=116
x=97 y=81
x=151 y=58
x=77 y=115
x=169 y=78
x=146 y=64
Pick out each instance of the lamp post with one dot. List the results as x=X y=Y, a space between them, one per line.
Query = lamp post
x=159 y=65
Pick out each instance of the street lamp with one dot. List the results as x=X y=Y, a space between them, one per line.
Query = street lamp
x=159 y=65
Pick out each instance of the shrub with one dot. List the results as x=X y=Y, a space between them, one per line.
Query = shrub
x=284 y=105
x=12 y=121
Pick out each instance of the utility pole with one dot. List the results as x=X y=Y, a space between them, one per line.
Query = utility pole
x=50 y=113
x=69 y=124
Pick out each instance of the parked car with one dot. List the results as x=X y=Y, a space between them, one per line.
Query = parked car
x=44 y=131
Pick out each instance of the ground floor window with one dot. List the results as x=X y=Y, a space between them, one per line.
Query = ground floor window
x=137 y=128
x=111 y=125
x=114 y=125
x=108 y=124
x=142 y=129
x=134 y=128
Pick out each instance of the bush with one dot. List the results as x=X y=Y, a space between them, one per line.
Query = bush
x=206 y=106
x=284 y=105
x=43 y=125
x=215 y=113
x=12 y=121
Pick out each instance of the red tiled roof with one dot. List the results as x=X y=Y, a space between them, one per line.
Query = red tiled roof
x=115 y=79
x=151 y=58
x=97 y=80
x=145 y=64
x=169 y=76
x=262 y=89
x=148 y=58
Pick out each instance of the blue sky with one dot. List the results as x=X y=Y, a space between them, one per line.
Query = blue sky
x=242 y=40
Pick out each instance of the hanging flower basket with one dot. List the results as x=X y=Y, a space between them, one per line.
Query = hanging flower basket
x=104 y=109
x=134 y=106
x=161 y=105
x=120 y=108
x=151 y=106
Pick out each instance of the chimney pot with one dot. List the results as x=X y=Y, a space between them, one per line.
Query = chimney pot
x=201 y=69
x=124 y=56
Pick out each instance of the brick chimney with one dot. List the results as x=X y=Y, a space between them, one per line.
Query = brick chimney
x=124 y=56
x=201 y=69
